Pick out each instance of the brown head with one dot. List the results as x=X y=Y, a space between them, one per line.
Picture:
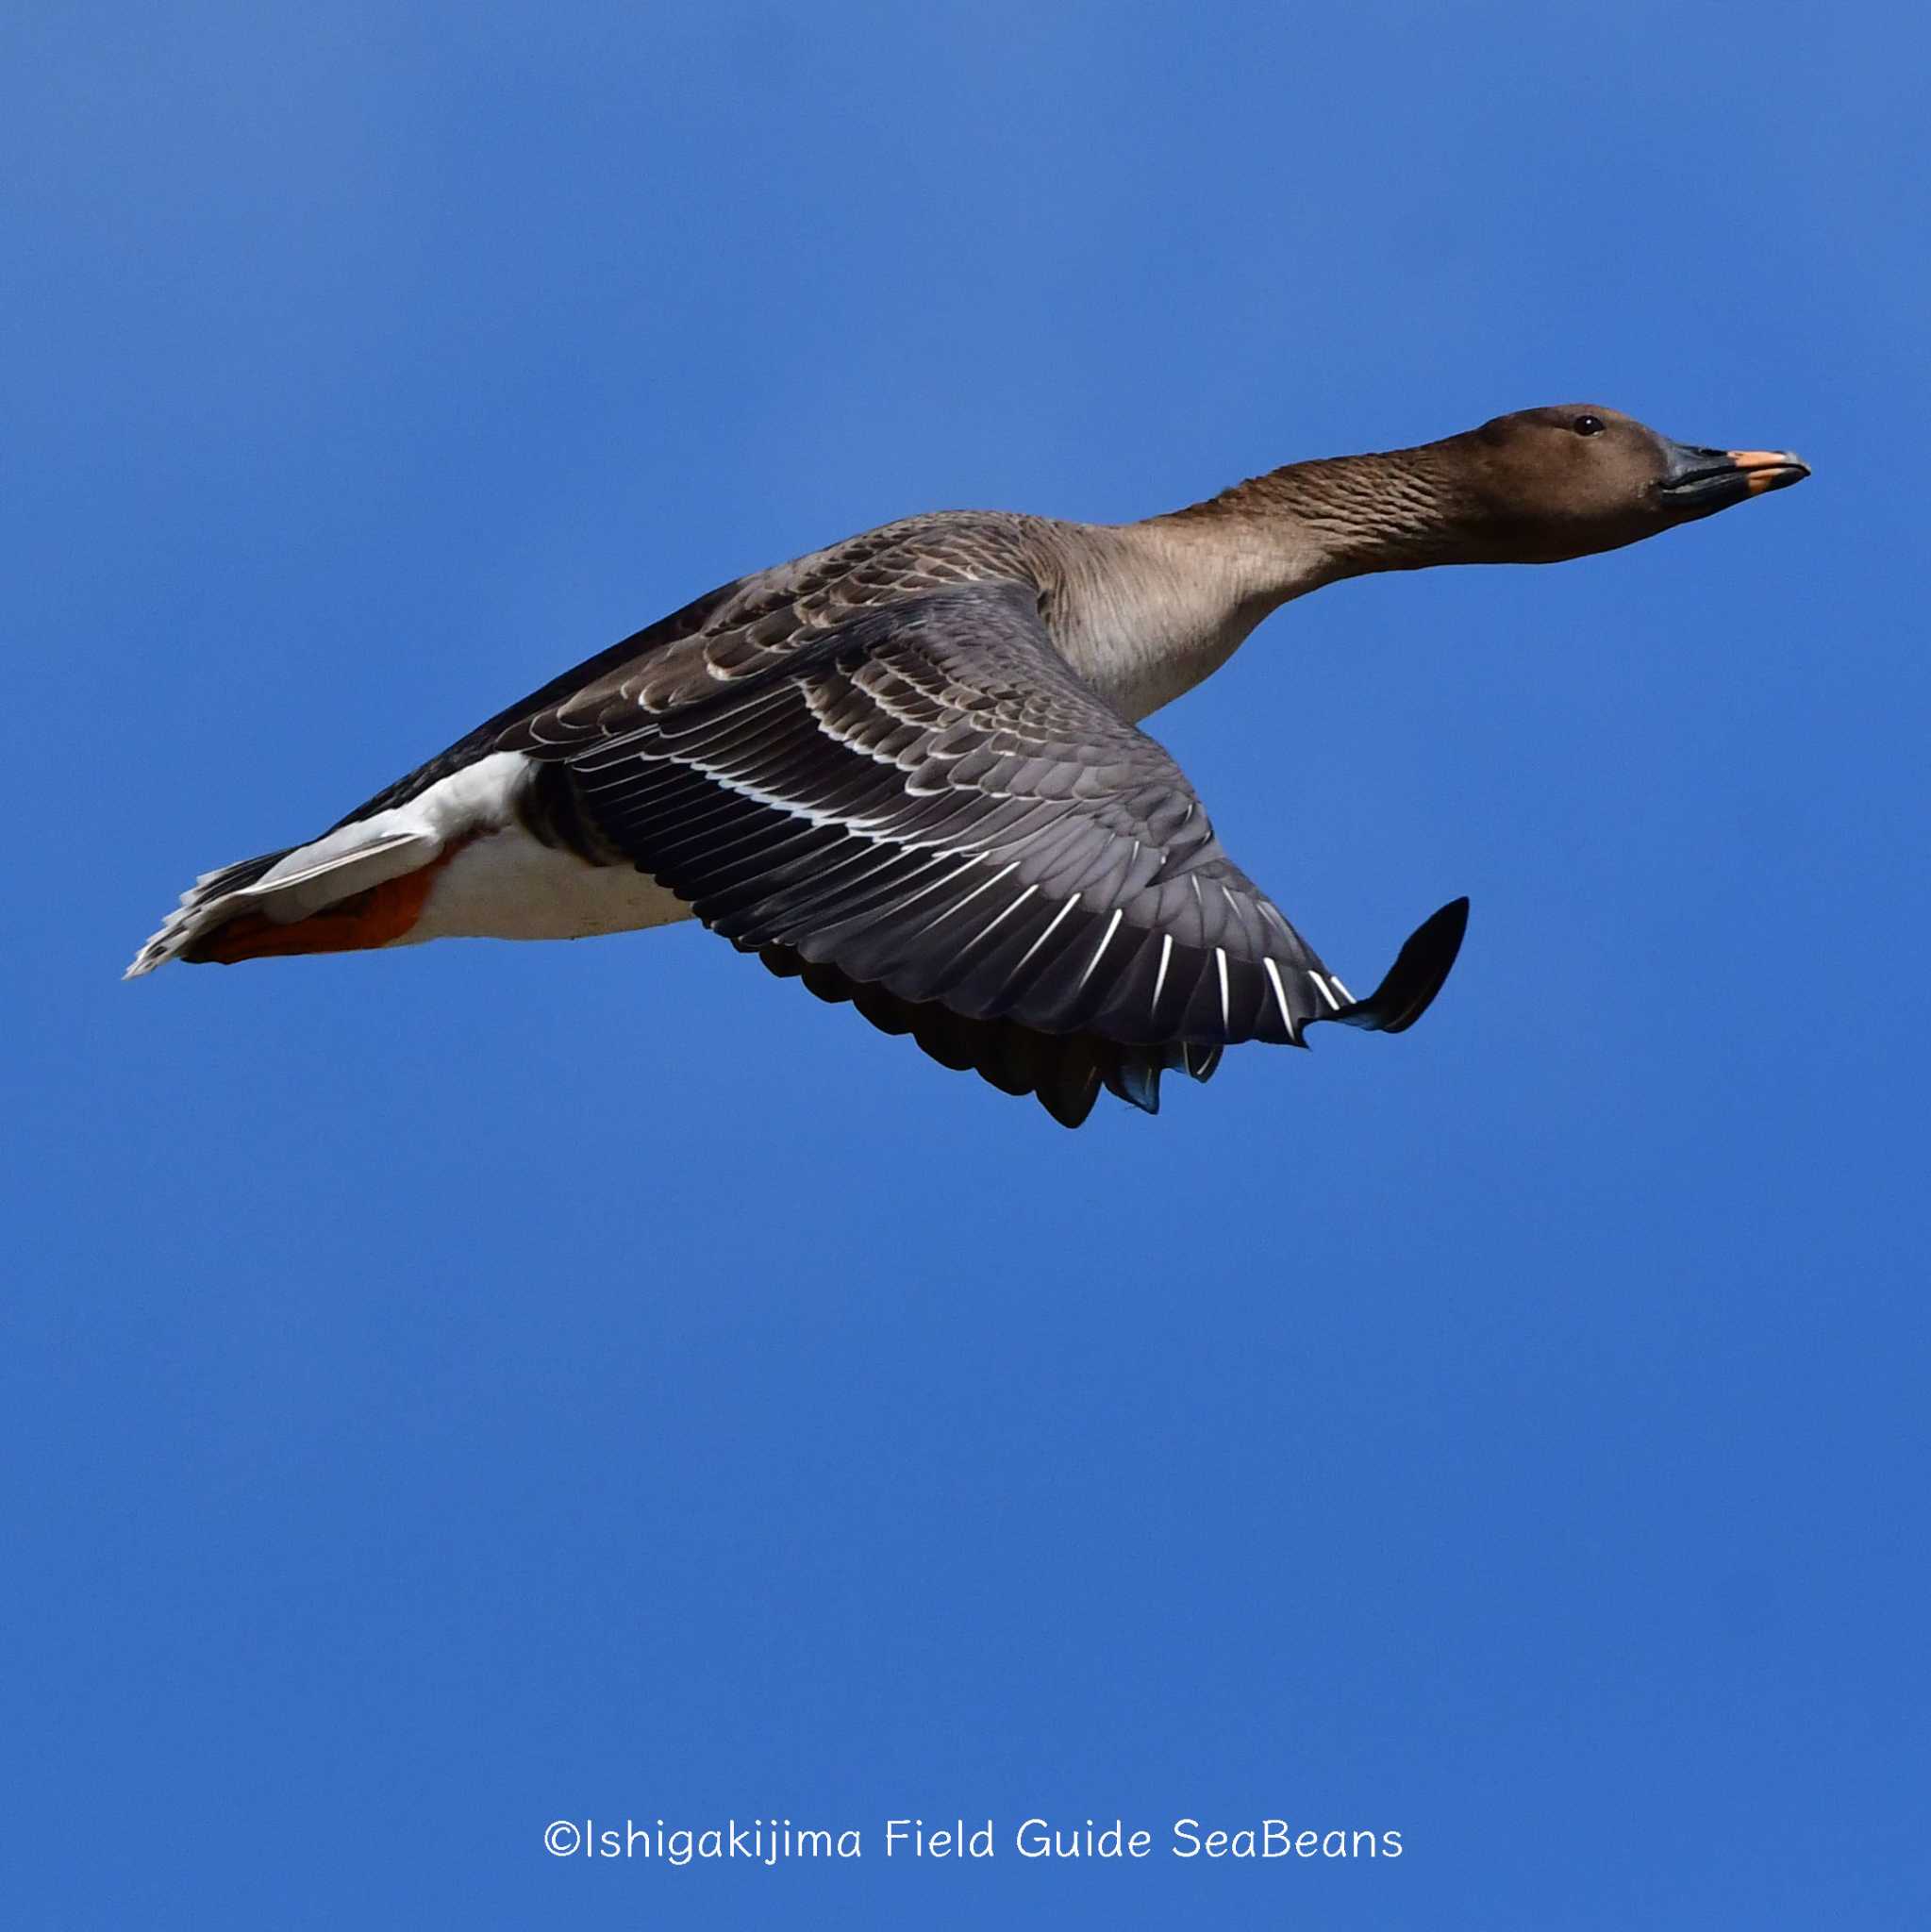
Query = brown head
x=1542 y=485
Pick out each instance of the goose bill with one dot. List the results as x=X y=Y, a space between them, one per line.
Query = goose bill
x=1709 y=479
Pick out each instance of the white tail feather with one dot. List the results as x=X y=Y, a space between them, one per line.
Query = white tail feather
x=300 y=882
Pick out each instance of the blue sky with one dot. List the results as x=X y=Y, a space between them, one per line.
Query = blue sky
x=458 y=1390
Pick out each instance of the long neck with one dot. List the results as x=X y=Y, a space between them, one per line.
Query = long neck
x=1312 y=524
x=1148 y=609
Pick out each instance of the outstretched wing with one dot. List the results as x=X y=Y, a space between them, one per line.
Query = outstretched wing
x=925 y=810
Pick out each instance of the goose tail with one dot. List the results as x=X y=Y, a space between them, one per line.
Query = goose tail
x=355 y=888
x=206 y=905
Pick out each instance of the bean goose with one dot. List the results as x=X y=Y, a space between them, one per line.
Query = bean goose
x=905 y=770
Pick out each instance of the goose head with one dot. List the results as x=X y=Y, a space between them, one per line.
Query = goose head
x=1540 y=486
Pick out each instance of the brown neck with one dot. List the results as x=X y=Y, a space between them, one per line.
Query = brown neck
x=1343 y=516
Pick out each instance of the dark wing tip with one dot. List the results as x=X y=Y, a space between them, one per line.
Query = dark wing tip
x=1415 y=977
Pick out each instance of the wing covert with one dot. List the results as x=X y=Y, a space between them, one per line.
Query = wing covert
x=924 y=809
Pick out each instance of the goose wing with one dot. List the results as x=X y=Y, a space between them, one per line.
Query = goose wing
x=920 y=808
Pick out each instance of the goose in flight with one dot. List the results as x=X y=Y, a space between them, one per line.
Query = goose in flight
x=906 y=770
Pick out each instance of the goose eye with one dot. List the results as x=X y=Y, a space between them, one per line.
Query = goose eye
x=1588 y=425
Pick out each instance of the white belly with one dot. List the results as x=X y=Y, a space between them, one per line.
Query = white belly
x=507 y=886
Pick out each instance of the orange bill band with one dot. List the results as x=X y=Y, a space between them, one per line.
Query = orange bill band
x=1769 y=469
